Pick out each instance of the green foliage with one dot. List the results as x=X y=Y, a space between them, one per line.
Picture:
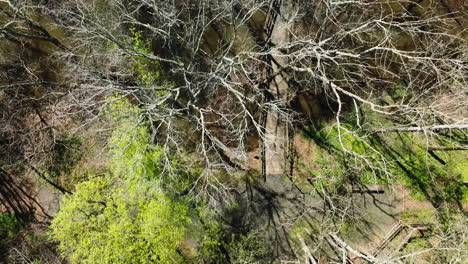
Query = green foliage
x=336 y=167
x=212 y=241
x=148 y=71
x=420 y=215
x=65 y=155
x=436 y=183
x=301 y=227
x=398 y=91
x=125 y=216
x=219 y=245
x=9 y=227
x=319 y=134
x=347 y=227
x=409 y=163
x=111 y=221
x=249 y=248
x=417 y=244
x=328 y=138
x=133 y=156
x=330 y=177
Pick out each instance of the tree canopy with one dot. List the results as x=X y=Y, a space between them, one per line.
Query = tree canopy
x=124 y=216
x=233 y=131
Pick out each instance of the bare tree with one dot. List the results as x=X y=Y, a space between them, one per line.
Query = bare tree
x=234 y=80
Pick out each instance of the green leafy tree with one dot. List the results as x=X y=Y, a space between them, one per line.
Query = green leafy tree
x=124 y=216
x=112 y=221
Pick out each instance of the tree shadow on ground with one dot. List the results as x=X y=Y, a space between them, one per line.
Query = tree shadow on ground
x=17 y=200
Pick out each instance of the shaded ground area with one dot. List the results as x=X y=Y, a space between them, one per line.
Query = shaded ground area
x=33 y=203
x=27 y=198
x=17 y=198
x=283 y=212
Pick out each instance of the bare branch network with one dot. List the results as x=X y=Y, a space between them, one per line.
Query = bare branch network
x=238 y=78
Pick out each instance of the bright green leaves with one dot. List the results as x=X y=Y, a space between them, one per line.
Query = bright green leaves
x=80 y=222
x=112 y=221
x=212 y=239
x=132 y=155
x=125 y=216
x=147 y=70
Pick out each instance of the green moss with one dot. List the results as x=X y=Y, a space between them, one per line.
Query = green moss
x=339 y=166
x=347 y=228
x=303 y=228
x=409 y=164
x=438 y=183
x=420 y=215
x=386 y=158
x=417 y=244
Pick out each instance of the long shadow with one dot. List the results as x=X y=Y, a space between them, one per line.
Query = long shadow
x=378 y=203
x=16 y=199
x=263 y=208
x=398 y=158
